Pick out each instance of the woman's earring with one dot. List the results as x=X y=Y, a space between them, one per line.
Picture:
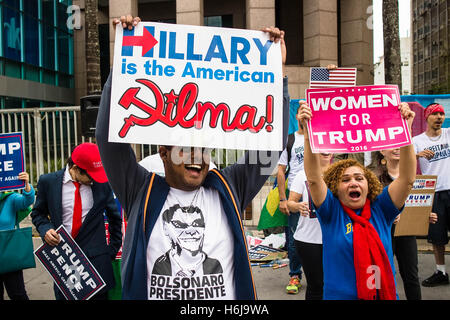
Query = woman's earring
x=383 y=161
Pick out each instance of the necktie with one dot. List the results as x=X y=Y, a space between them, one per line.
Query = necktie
x=76 y=222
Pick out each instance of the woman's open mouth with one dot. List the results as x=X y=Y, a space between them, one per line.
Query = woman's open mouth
x=354 y=195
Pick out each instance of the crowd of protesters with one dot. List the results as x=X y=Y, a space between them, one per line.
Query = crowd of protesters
x=185 y=221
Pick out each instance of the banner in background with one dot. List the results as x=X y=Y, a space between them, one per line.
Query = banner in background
x=417 y=103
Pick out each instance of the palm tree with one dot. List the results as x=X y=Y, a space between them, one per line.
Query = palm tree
x=93 y=77
x=392 y=57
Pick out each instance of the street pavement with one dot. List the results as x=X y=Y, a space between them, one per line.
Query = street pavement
x=270 y=283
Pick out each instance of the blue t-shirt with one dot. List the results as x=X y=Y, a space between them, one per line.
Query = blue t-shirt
x=337 y=235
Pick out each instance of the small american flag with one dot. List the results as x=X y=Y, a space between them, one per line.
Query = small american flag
x=340 y=77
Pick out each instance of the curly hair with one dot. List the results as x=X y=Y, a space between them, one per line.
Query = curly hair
x=333 y=174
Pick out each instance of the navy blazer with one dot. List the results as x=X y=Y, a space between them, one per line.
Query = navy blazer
x=47 y=214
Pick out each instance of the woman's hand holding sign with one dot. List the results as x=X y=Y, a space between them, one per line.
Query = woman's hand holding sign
x=26 y=178
x=304 y=114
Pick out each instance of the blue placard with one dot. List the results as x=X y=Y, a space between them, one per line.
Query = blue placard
x=11 y=161
x=69 y=267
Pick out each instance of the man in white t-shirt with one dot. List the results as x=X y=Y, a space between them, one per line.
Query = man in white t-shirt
x=295 y=164
x=433 y=152
x=197 y=250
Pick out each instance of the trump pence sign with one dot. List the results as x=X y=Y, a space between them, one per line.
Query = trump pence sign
x=356 y=119
x=196 y=86
x=11 y=161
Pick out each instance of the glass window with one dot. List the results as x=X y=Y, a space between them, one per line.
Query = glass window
x=62 y=15
x=215 y=21
x=13 y=103
x=31 y=73
x=49 y=77
x=32 y=104
x=11 y=34
x=65 y=80
x=12 y=69
x=48 y=13
x=225 y=21
x=31 y=7
x=12 y=3
x=63 y=52
x=48 y=47
x=31 y=33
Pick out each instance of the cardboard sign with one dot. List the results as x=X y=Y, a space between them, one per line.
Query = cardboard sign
x=262 y=253
x=11 y=161
x=356 y=119
x=414 y=220
x=69 y=267
x=196 y=86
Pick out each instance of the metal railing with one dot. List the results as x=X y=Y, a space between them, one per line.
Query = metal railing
x=50 y=134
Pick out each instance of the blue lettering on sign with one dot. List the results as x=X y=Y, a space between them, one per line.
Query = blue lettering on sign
x=239 y=48
x=172 y=50
x=190 y=48
x=216 y=42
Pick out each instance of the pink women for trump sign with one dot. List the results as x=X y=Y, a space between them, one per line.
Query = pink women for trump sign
x=356 y=119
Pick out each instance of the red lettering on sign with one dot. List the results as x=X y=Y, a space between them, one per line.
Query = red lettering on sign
x=174 y=110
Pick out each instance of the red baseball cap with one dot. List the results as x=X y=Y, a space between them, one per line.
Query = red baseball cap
x=87 y=157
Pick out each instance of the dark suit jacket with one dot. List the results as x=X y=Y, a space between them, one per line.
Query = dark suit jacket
x=47 y=214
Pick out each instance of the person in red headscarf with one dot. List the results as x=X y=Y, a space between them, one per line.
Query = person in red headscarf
x=433 y=153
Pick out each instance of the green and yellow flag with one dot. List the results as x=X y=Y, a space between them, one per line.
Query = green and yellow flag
x=271 y=216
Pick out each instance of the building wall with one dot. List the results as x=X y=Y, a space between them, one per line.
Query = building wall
x=333 y=31
x=36 y=54
x=430 y=46
x=405 y=49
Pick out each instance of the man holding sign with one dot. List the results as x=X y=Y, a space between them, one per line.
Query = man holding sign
x=433 y=153
x=78 y=197
x=185 y=238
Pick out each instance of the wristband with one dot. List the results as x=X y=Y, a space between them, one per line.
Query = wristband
x=283 y=200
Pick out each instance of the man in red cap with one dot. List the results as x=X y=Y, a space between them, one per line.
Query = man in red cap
x=76 y=197
x=433 y=152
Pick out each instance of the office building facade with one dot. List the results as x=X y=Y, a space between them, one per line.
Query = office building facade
x=430 y=27
x=36 y=54
x=318 y=32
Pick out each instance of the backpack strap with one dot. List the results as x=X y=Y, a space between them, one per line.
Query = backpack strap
x=289 y=145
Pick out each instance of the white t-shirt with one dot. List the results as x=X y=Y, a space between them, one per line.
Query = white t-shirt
x=440 y=163
x=308 y=228
x=296 y=161
x=191 y=255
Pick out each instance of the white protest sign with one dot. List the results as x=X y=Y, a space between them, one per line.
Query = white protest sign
x=196 y=86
